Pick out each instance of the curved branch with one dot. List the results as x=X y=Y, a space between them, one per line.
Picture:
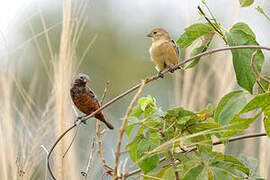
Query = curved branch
x=146 y=82
x=175 y=67
x=123 y=128
x=53 y=146
x=255 y=70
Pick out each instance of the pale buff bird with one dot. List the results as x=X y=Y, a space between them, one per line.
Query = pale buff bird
x=163 y=51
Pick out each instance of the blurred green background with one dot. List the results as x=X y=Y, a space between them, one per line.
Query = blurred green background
x=119 y=53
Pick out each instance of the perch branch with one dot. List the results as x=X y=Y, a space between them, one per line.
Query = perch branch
x=123 y=128
x=138 y=85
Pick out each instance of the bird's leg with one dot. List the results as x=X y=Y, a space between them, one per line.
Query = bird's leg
x=160 y=74
x=80 y=118
x=171 y=69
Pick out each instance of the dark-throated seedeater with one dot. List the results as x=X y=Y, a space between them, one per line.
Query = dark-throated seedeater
x=85 y=99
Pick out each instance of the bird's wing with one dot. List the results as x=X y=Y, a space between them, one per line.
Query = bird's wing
x=175 y=47
x=91 y=94
x=171 y=56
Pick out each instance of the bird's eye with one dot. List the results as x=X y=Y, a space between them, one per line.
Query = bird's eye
x=155 y=32
x=81 y=77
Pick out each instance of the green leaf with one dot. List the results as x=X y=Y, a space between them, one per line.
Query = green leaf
x=259 y=101
x=213 y=166
x=164 y=173
x=132 y=148
x=249 y=162
x=266 y=120
x=129 y=128
x=201 y=45
x=136 y=112
x=179 y=115
x=149 y=163
x=203 y=142
x=229 y=163
x=237 y=125
x=146 y=101
x=245 y=28
x=229 y=105
x=245 y=3
x=193 y=173
x=192 y=33
x=252 y=164
x=241 y=34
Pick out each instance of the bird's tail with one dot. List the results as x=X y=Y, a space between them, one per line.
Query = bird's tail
x=101 y=118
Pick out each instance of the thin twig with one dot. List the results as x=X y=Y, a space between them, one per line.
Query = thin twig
x=47 y=152
x=53 y=146
x=74 y=109
x=77 y=129
x=136 y=171
x=105 y=92
x=148 y=80
x=170 y=155
x=255 y=70
x=73 y=139
x=90 y=161
x=123 y=128
x=43 y=147
x=258 y=8
x=261 y=86
x=210 y=22
x=233 y=139
x=98 y=132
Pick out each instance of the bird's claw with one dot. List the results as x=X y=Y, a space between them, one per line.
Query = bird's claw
x=160 y=74
x=171 y=69
x=80 y=118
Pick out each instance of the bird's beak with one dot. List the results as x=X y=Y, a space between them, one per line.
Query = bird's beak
x=149 y=35
x=86 y=80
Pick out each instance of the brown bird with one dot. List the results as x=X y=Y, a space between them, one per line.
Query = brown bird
x=163 y=51
x=84 y=98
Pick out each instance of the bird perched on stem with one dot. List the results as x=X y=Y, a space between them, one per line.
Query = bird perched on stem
x=84 y=98
x=163 y=51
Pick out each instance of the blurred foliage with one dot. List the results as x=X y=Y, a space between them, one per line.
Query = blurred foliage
x=246 y=3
